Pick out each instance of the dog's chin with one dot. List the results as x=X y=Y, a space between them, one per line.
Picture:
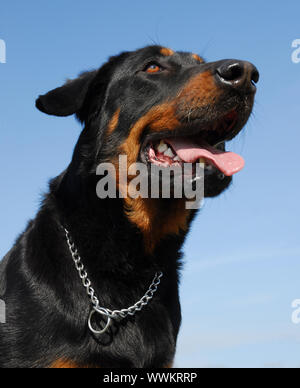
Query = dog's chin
x=216 y=184
x=207 y=178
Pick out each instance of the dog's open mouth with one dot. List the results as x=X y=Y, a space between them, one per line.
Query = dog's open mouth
x=206 y=147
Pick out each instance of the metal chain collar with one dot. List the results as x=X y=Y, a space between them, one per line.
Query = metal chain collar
x=109 y=314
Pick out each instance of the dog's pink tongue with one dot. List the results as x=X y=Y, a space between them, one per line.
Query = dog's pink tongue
x=227 y=162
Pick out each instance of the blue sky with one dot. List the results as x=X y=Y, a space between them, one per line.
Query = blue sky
x=243 y=254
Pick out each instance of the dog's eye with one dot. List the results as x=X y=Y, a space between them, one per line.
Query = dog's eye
x=153 y=68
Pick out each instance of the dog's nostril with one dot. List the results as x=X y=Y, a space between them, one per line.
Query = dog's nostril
x=255 y=76
x=231 y=71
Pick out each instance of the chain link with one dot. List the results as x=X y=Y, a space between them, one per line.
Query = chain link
x=109 y=314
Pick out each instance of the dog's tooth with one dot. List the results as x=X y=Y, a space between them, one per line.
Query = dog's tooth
x=202 y=160
x=177 y=159
x=162 y=147
x=169 y=153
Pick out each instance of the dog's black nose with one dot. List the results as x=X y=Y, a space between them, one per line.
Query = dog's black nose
x=237 y=74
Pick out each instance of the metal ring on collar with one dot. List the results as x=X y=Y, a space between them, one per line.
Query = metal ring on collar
x=102 y=311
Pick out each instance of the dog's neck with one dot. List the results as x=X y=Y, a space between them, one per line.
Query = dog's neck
x=85 y=215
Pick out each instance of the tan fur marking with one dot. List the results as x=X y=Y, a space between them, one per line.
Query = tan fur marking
x=166 y=52
x=64 y=364
x=158 y=118
x=68 y=364
x=198 y=58
x=154 y=220
x=200 y=91
x=113 y=122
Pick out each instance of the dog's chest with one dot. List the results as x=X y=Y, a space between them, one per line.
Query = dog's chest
x=146 y=342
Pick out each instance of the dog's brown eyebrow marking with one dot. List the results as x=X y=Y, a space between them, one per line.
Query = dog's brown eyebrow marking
x=198 y=58
x=167 y=52
x=113 y=122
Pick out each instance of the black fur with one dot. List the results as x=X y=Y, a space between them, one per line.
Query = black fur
x=47 y=306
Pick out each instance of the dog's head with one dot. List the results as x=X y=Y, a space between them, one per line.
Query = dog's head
x=160 y=107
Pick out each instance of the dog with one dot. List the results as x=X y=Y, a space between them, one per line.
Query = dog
x=94 y=282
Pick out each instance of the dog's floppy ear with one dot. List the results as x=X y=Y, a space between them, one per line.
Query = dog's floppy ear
x=67 y=99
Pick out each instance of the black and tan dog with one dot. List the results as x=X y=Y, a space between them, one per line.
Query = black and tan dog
x=155 y=106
